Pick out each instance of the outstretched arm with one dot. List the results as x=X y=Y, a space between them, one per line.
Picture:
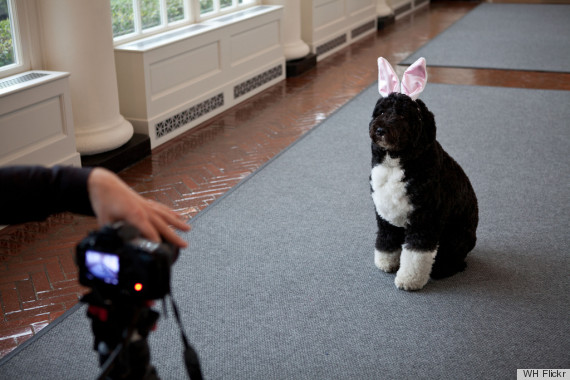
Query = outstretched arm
x=112 y=200
x=32 y=193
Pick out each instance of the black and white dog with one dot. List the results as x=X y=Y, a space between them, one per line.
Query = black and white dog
x=426 y=208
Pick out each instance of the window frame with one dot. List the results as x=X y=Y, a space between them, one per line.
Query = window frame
x=21 y=39
x=191 y=16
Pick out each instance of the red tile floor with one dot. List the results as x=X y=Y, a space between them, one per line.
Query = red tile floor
x=38 y=278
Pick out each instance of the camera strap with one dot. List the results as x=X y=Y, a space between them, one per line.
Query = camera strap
x=190 y=356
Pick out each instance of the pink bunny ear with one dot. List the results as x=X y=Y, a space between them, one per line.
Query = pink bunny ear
x=388 y=81
x=415 y=79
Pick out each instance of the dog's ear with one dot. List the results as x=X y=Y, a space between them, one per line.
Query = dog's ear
x=428 y=122
x=376 y=111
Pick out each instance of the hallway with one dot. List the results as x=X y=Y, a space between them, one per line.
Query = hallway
x=38 y=278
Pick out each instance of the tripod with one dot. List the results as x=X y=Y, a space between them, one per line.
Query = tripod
x=120 y=330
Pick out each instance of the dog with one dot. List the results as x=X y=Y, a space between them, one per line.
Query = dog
x=426 y=208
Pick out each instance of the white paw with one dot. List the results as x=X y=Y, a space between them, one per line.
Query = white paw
x=415 y=268
x=387 y=261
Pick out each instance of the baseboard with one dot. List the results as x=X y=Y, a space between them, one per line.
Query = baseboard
x=385 y=21
x=297 y=67
x=137 y=148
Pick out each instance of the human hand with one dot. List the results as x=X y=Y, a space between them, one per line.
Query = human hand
x=113 y=200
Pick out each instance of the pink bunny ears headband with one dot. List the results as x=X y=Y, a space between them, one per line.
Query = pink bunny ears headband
x=413 y=81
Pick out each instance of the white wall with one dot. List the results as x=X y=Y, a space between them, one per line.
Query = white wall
x=330 y=25
x=36 y=125
x=172 y=82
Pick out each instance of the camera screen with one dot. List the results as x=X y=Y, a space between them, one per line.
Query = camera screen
x=104 y=266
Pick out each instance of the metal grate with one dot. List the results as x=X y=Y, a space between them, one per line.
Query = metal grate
x=257 y=81
x=403 y=9
x=21 y=79
x=176 y=121
x=363 y=28
x=334 y=43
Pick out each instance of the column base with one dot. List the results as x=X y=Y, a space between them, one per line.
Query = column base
x=384 y=21
x=297 y=67
x=137 y=148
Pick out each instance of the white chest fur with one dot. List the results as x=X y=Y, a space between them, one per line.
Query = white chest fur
x=389 y=192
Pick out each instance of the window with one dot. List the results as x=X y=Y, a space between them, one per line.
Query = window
x=8 y=40
x=209 y=6
x=213 y=8
x=134 y=19
x=16 y=36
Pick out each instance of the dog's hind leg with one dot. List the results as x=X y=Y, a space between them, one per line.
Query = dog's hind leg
x=388 y=246
x=453 y=249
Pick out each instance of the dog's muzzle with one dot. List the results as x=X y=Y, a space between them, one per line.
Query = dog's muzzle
x=379 y=132
x=382 y=132
x=376 y=128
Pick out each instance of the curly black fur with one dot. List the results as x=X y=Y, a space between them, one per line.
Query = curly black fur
x=444 y=212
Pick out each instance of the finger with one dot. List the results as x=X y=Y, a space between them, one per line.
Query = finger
x=172 y=218
x=166 y=232
x=146 y=229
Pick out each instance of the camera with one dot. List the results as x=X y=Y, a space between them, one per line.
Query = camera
x=118 y=262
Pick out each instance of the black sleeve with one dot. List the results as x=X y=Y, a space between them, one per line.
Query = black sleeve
x=32 y=193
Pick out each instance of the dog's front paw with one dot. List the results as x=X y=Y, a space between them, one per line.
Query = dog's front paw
x=387 y=261
x=408 y=281
x=415 y=268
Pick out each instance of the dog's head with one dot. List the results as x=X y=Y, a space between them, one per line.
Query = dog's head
x=402 y=125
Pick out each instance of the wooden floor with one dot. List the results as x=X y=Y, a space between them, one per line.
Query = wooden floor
x=38 y=278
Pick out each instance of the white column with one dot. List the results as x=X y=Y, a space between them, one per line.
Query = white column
x=77 y=37
x=383 y=9
x=293 y=45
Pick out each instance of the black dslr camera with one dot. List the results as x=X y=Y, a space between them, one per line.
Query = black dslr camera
x=117 y=262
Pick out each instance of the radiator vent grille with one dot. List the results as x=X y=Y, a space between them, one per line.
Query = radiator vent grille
x=363 y=28
x=21 y=79
x=174 y=122
x=257 y=81
x=403 y=9
x=336 y=42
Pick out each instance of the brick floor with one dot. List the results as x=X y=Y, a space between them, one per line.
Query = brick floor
x=38 y=279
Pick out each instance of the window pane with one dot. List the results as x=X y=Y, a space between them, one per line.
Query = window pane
x=175 y=10
x=6 y=37
x=225 y=3
x=123 y=17
x=206 y=6
x=150 y=13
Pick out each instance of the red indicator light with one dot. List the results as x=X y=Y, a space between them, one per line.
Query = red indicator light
x=138 y=286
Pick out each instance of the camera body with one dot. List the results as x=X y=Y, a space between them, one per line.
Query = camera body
x=117 y=262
